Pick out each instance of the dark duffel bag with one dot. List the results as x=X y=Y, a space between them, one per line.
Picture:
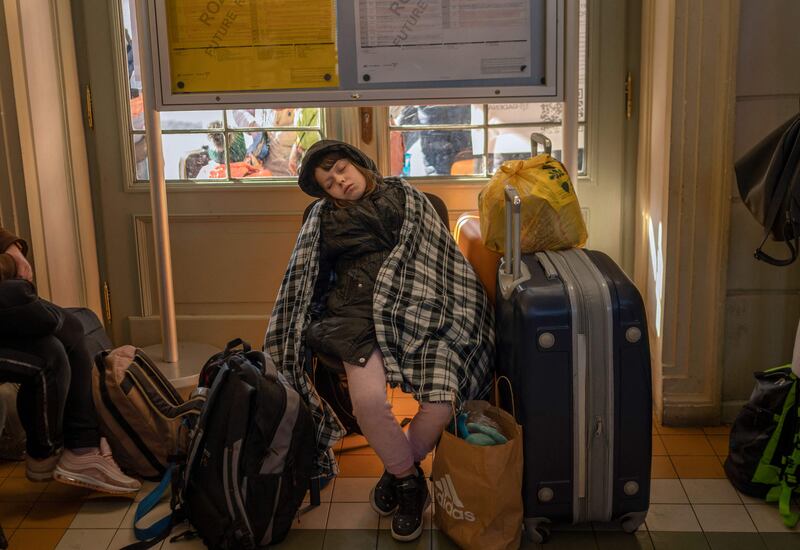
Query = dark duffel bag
x=96 y=338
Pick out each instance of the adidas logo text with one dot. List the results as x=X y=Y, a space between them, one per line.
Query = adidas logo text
x=447 y=499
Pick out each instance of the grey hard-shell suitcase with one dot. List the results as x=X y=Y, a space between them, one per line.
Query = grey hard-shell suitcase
x=572 y=339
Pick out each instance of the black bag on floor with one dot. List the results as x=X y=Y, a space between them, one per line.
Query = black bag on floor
x=764 y=457
x=250 y=460
x=95 y=335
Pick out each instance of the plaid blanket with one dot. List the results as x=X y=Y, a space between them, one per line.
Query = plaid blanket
x=433 y=322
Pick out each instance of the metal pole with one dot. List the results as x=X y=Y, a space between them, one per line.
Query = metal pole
x=158 y=190
x=569 y=122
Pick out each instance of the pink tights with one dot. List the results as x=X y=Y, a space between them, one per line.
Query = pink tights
x=374 y=415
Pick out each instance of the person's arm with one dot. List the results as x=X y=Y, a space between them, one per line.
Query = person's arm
x=12 y=257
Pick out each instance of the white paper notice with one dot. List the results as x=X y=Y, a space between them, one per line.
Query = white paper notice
x=434 y=40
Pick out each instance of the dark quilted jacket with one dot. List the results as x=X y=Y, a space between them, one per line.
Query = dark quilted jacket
x=355 y=241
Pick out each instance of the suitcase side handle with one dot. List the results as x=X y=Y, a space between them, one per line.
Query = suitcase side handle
x=512 y=270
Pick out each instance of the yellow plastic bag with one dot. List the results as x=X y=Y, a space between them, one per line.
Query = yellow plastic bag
x=550 y=214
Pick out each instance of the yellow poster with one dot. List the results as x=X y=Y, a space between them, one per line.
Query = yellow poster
x=239 y=45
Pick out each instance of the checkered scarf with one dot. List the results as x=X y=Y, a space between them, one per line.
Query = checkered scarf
x=433 y=323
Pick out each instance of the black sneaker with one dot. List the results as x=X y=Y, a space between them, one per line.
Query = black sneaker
x=383 y=496
x=412 y=499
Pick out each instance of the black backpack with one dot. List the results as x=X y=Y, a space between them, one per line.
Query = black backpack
x=250 y=461
x=764 y=457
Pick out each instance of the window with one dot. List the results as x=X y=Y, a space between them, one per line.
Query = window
x=473 y=140
x=218 y=146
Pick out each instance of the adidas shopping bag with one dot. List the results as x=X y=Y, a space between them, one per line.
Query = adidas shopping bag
x=478 y=490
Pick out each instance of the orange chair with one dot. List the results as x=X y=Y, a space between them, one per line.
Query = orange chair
x=485 y=262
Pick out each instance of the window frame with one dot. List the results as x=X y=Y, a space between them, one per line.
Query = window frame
x=330 y=126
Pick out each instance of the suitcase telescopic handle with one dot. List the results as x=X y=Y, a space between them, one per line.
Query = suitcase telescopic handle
x=540 y=139
x=513 y=248
x=513 y=271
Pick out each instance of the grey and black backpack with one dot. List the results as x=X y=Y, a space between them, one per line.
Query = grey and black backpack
x=250 y=460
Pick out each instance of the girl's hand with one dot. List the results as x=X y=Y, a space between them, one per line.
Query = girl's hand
x=24 y=270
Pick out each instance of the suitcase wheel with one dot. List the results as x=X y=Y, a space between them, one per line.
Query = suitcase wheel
x=537 y=530
x=631 y=522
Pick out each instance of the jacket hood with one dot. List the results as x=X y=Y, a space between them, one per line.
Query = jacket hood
x=317 y=152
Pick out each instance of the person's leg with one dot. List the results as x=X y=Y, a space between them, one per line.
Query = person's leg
x=12 y=441
x=41 y=368
x=402 y=487
x=367 y=385
x=86 y=460
x=80 y=419
x=427 y=426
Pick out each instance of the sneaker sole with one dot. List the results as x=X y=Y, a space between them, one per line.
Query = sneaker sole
x=416 y=534
x=36 y=476
x=90 y=483
x=375 y=506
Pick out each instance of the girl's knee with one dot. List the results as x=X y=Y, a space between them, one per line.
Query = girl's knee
x=435 y=414
x=367 y=405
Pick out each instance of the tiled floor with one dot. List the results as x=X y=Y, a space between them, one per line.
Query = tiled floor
x=692 y=507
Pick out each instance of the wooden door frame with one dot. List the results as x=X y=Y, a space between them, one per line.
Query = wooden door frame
x=685 y=173
x=49 y=116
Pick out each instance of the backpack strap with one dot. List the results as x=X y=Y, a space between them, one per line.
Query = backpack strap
x=764 y=257
x=150 y=536
x=782 y=493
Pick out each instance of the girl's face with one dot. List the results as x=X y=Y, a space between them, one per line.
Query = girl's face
x=342 y=182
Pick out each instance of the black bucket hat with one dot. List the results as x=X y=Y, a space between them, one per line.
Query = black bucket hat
x=320 y=150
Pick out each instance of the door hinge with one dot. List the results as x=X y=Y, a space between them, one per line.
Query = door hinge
x=89 y=112
x=628 y=97
x=107 y=303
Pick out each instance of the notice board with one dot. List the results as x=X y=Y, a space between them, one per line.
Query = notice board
x=213 y=53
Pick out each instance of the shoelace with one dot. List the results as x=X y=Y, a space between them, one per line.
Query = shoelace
x=407 y=497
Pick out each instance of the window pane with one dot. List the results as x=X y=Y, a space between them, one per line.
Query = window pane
x=132 y=62
x=515 y=144
x=137 y=112
x=434 y=115
x=267 y=118
x=512 y=113
x=582 y=35
x=194 y=156
x=140 y=157
x=190 y=120
x=434 y=153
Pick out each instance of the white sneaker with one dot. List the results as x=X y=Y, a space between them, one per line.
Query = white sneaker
x=95 y=470
x=41 y=469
